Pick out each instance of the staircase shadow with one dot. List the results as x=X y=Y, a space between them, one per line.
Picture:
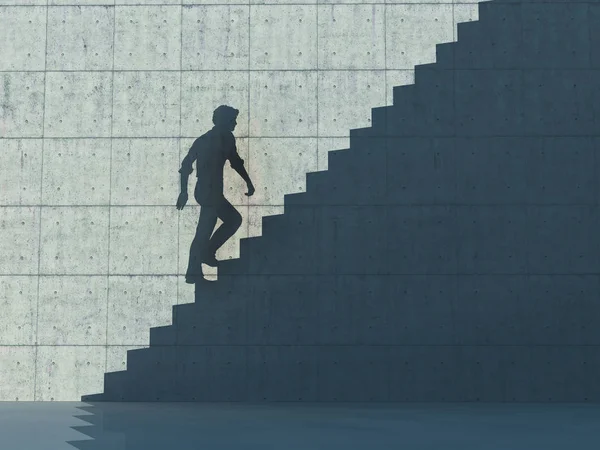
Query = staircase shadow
x=450 y=254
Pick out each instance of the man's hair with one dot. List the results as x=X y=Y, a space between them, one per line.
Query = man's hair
x=224 y=114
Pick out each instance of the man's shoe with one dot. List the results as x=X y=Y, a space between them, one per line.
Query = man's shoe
x=210 y=260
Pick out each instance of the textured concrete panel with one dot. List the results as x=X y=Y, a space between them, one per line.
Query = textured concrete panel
x=88 y=183
x=295 y=381
x=135 y=303
x=572 y=230
x=116 y=357
x=326 y=145
x=423 y=170
x=22 y=104
x=410 y=298
x=23 y=33
x=416 y=29
x=20 y=251
x=130 y=249
x=340 y=108
x=561 y=322
x=501 y=90
x=491 y=308
x=215 y=37
x=148 y=38
x=18 y=372
x=363 y=25
x=433 y=227
x=155 y=183
x=80 y=38
x=20 y=171
x=78 y=104
x=18 y=300
x=146 y=104
x=203 y=91
x=493 y=239
x=574 y=52
x=256 y=215
x=397 y=78
x=565 y=171
x=277 y=166
x=335 y=364
x=273 y=24
x=66 y=247
x=72 y=310
x=270 y=117
x=505 y=162
x=64 y=372
x=367 y=225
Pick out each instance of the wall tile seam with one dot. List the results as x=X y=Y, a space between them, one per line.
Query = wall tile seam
x=110 y=167
x=37 y=306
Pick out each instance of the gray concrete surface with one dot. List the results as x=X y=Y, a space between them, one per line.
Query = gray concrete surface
x=100 y=100
x=139 y=426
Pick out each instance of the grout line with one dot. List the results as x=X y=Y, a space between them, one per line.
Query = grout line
x=382 y=136
x=318 y=76
x=180 y=143
x=322 y=69
x=248 y=113
x=112 y=121
x=246 y=313
x=398 y=274
x=398 y=205
x=37 y=306
x=256 y=3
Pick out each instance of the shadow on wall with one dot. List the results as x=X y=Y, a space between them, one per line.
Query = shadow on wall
x=450 y=255
x=210 y=152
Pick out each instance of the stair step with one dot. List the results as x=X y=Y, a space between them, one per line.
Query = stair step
x=445 y=55
x=166 y=335
x=233 y=267
x=469 y=31
x=248 y=245
x=337 y=155
x=428 y=66
x=379 y=117
x=272 y=222
x=116 y=384
x=403 y=95
x=299 y=198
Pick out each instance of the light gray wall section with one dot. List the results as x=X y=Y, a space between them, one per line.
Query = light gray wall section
x=100 y=100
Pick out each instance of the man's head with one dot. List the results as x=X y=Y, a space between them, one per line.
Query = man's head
x=225 y=117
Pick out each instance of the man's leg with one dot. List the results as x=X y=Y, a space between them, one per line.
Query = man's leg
x=206 y=225
x=231 y=219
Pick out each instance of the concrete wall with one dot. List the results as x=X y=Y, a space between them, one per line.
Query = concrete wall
x=100 y=100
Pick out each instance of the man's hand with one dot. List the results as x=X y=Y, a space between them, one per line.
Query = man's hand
x=250 y=190
x=182 y=200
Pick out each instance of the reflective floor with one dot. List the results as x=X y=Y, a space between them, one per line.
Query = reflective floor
x=183 y=426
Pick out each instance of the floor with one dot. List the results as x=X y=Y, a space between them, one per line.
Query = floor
x=187 y=426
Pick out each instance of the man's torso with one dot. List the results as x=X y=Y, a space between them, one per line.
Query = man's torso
x=214 y=148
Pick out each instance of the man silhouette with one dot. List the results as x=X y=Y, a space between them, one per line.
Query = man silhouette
x=210 y=151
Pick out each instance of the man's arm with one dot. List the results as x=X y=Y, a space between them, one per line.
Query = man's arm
x=184 y=180
x=237 y=164
x=186 y=166
x=185 y=171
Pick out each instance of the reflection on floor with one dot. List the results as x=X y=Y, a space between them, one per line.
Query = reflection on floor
x=187 y=426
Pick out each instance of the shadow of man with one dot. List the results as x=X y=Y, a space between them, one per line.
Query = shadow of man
x=210 y=151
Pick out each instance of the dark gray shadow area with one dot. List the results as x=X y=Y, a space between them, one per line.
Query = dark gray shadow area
x=451 y=254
